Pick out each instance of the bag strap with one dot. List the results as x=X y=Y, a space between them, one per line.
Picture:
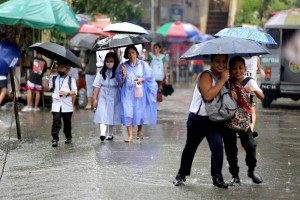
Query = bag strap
x=69 y=82
x=246 y=80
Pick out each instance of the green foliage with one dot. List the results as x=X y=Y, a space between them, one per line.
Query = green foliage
x=257 y=11
x=2 y=1
x=58 y=37
x=118 y=11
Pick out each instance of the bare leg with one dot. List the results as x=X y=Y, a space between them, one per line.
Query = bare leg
x=89 y=103
x=129 y=132
x=252 y=125
x=140 y=131
x=29 y=98
x=2 y=95
x=37 y=99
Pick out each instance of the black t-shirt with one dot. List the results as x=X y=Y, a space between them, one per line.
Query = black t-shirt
x=39 y=67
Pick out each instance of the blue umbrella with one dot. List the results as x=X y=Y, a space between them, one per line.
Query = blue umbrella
x=247 y=33
x=9 y=55
x=224 y=45
x=201 y=38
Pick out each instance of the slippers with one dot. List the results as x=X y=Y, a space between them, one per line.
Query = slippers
x=139 y=138
x=88 y=108
x=128 y=140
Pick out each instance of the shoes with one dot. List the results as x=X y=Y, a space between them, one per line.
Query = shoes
x=234 y=181
x=255 y=134
x=68 y=141
x=179 y=180
x=110 y=137
x=36 y=109
x=102 y=138
x=219 y=182
x=255 y=177
x=128 y=140
x=26 y=109
x=54 y=143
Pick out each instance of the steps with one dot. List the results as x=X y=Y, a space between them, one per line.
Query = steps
x=216 y=21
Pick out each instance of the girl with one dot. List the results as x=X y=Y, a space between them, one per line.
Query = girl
x=107 y=97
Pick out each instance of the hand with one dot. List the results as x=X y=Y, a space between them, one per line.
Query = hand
x=95 y=103
x=234 y=95
x=63 y=93
x=225 y=76
x=123 y=71
x=167 y=81
x=139 y=80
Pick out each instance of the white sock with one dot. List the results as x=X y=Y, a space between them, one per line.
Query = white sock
x=103 y=128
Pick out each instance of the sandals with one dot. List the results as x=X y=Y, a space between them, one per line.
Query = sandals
x=128 y=140
x=139 y=138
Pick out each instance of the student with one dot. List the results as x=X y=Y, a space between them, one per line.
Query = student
x=237 y=69
x=62 y=106
x=107 y=99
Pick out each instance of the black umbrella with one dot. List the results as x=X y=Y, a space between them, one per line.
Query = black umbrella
x=154 y=36
x=119 y=40
x=57 y=52
x=84 y=40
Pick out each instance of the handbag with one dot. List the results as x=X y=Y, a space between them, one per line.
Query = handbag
x=241 y=120
x=167 y=89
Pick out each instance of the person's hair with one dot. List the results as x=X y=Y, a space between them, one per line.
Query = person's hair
x=235 y=59
x=116 y=63
x=157 y=44
x=127 y=49
x=212 y=57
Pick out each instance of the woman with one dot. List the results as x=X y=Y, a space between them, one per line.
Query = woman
x=200 y=126
x=107 y=97
x=136 y=111
x=158 y=63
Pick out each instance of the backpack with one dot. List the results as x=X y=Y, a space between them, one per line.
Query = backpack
x=223 y=106
x=53 y=81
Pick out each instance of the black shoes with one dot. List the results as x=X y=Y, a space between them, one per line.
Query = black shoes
x=68 y=141
x=234 y=181
x=219 y=182
x=102 y=138
x=255 y=177
x=179 y=180
x=110 y=137
x=54 y=143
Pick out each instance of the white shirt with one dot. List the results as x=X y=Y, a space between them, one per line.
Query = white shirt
x=252 y=83
x=100 y=56
x=251 y=67
x=65 y=103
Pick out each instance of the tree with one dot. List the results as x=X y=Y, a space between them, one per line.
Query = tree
x=117 y=10
x=257 y=11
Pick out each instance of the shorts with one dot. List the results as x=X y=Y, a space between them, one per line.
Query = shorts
x=34 y=87
x=3 y=83
x=197 y=69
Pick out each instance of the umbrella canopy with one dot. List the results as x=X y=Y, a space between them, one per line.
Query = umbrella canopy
x=57 y=52
x=84 y=40
x=201 y=38
x=119 y=40
x=9 y=55
x=178 y=31
x=91 y=28
x=284 y=18
x=41 y=14
x=224 y=45
x=154 y=36
x=247 y=33
x=125 y=27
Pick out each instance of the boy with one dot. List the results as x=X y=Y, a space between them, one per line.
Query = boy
x=64 y=88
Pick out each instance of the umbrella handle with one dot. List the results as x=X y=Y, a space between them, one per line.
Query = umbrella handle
x=54 y=62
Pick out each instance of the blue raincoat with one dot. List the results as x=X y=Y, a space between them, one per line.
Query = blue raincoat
x=137 y=111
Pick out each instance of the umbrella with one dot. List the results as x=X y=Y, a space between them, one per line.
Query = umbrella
x=284 y=18
x=247 y=33
x=91 y=28
x=57 y=52
x=119 y=40
x=41 y=14
x=154 y=36
x=83 y=18
x=84 y=40
x=9 y=55
x=224 y=45
x=125 y=27
x=201 y=38
x=178 y=31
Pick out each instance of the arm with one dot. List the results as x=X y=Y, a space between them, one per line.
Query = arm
x=207 y=90
x=166 y=72
x=96 y=93
x=259 y=69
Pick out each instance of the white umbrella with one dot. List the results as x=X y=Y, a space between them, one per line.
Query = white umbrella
x=125 y=27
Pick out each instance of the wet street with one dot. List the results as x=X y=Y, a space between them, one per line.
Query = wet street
x=90 y=169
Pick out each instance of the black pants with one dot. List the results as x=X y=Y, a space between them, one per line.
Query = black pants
x=248 y=143
x=199 y=127
x=56 y=124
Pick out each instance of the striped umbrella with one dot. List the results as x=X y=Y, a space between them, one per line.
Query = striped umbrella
x=178 y=31
x=285 y=17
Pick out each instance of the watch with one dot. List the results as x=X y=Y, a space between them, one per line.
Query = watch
x=68 y=94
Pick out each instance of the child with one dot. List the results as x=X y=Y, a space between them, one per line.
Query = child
x=64 y=88
x=107 y=97
x=237 y=69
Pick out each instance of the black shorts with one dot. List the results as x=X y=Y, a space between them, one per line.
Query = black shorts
x=3 y=83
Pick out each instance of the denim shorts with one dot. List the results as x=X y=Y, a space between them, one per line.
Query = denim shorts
x=3 y=83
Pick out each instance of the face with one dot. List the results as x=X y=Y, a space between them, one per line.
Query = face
x=109 y=62
x=237 y=71
x=156 y=49
x=132 y=55
x=62 y=69
x=219 y=64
